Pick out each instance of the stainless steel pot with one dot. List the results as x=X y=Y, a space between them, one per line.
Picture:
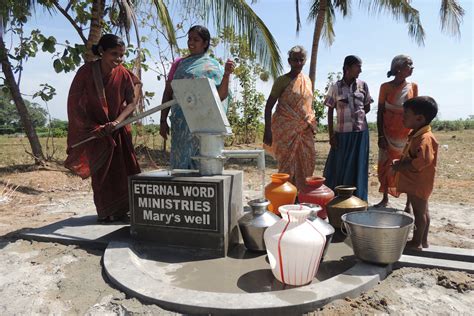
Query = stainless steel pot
x=323 y=226
x=378 y=236
x=254 y=223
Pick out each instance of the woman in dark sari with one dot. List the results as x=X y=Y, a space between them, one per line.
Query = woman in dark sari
x=197 y=65
x=101 y=96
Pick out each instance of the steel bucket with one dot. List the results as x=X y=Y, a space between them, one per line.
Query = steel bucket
x=377 y=236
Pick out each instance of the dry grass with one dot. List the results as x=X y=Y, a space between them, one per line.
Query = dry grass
x=455 y=172
x=454 y=180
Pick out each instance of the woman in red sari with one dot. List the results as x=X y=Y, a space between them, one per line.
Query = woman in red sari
x=101 y=96
x=392 y=135
x=290 y=131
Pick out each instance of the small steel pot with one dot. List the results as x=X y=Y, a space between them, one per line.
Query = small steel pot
x=323 y=226
x=254 y=223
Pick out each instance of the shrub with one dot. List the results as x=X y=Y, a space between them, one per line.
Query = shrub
x=456 y=125
x=7 y=130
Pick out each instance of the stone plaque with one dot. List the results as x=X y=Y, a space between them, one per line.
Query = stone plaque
x=173 y=204
x=180 y=208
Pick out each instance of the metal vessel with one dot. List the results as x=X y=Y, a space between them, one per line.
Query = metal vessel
x=254 y=223
x=322 y=225
x=378 y=236
x=343 y=203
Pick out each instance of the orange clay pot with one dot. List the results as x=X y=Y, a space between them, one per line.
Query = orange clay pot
x=280 y=192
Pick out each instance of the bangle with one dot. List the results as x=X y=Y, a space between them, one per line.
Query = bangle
x=381 y=136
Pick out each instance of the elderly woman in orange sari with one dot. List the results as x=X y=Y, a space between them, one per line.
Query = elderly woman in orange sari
x=290 y=130
x=391 y=132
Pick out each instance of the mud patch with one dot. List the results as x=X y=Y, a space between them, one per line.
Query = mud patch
x=461 y=282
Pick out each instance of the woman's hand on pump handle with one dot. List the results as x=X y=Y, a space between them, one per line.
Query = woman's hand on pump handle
x=105 y=129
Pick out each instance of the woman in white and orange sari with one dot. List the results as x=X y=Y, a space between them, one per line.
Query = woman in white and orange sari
x=392 y=135
x=290 y=130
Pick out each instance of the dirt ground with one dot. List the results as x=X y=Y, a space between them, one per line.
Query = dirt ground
x=49 y=278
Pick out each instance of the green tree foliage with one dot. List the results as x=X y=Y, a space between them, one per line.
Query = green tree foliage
x=10 y=120
x=456 y=125
x=55 y=128
x=56 y=123
x=323 y=13
x=245 y=112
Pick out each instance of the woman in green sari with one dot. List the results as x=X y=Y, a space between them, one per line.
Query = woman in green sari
x=197 y=65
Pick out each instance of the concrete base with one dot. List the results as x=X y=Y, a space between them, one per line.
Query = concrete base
x=422 y=262
x=439 y=257
x=440 y=252
x=80 y=230
x=240 y=284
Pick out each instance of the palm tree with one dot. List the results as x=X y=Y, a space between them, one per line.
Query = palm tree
x=323 y=13
x=95 y=31
x=239 y=15
x=223 y=13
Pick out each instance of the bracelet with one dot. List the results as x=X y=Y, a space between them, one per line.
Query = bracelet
x=382 y=136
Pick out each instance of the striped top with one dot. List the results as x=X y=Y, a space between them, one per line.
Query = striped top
x=349 y=101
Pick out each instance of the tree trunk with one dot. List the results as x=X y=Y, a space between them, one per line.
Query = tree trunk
x=20 y=105
x=96 y=28
x=318 y=27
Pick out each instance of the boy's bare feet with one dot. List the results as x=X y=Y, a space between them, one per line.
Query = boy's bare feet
x=413 y=245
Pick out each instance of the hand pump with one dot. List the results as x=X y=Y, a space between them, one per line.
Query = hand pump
x=133 y=119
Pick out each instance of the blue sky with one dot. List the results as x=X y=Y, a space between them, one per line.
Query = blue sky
x=443 y=67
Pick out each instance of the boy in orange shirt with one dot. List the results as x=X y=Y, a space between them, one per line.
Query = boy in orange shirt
x=417 y=166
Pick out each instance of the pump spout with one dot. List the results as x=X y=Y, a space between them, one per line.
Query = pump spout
x=258 y=154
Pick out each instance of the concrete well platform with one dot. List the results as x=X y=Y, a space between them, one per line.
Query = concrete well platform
x=188 y=281
x=82 y=230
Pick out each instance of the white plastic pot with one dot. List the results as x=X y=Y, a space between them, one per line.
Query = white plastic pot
x=294 y=246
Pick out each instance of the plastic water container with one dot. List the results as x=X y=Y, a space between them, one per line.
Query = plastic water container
x=294 y=246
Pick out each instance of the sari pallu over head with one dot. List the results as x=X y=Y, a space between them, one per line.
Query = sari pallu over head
x=92 y=103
